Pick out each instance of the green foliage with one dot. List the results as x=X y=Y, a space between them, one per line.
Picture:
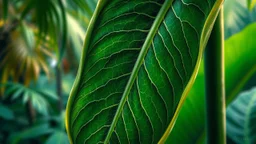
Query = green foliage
x=152 y=50
x=240 y=66
x=30 y=133
x=46 y=15
x=34 y=33
x=58 y=137
x=5 y=9
x=37 y=96
x=237 y=16
x=241 y=117
x=251 y=4
x=32 y=36
x=6 y=113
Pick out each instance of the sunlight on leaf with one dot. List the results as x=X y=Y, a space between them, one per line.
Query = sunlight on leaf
x=21 y=58
x=251 y=4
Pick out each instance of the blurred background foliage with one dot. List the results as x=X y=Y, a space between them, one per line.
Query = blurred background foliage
x=40 y=47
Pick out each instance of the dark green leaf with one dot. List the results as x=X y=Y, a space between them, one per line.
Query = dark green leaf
x=240 y=66
x=5 y=9
x=241 y=118
x=139 y=61
x=64 y=30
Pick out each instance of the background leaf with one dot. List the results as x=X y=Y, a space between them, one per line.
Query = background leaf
x=29 y=133
x=5 y=9
x=241 y=117
x=251 y=4
x=38 y=97
x=6 y=113
x=237 y=16
x=58 y=137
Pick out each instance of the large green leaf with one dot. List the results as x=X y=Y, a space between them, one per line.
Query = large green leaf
x=241 y=117
x=240 y=66
x=139 y=61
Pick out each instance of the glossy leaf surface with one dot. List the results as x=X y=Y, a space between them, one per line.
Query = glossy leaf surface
x=139 y=60
x=240 y=66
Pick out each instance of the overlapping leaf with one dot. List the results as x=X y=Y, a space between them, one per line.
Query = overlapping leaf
x=239 y=67
x=139 y=60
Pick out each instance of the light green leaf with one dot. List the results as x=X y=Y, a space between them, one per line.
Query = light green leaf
x=251 y=4
x=28 y=36
x=240 y=66
x=139 y=61
x=39 y=103
x=241 y=117
x=237 y=16
x=85 y=6
x=76 y=35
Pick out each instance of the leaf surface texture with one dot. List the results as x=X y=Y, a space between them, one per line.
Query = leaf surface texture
x=138 y=59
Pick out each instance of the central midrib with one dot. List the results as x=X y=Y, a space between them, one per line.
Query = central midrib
x=160 y=16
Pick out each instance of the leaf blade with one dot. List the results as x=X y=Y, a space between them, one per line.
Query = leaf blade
x=240 y=67
x=109 y=58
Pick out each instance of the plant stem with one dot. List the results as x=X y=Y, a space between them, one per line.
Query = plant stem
x=58 y=87
x=215 y=85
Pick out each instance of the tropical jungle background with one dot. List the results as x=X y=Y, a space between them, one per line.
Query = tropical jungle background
x=40 y=47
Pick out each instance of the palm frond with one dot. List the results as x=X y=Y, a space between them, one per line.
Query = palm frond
x=38 y=97
x=23 y=60
x=50 y=18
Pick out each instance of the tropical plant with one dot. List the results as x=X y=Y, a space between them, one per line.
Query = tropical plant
x=239 y=70
x=139 y=61
x=40 y=53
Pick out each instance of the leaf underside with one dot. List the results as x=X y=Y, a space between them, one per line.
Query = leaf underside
x=121 y=51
